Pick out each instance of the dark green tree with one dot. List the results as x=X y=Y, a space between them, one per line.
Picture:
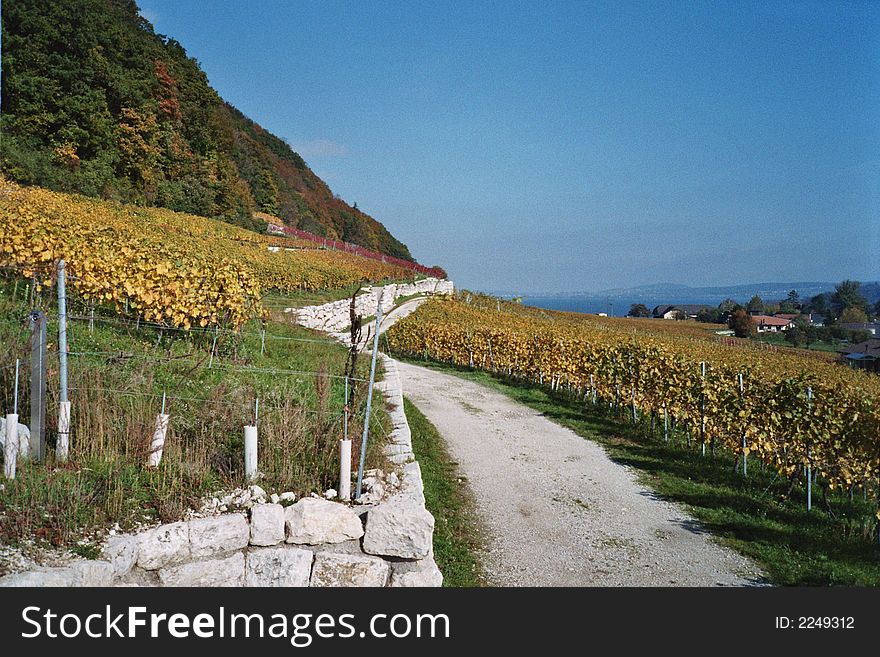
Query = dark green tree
x=756 y=305
x=639 y=310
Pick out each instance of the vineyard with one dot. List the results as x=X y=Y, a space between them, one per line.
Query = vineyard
x=795 y=414
x=163 y=266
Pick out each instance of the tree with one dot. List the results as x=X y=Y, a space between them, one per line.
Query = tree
x=853 y=315
x=756 y=305
x=877 y=308
x=728 y=306
x=710 y=316
x=791 y=304
x=742 y=324
x=678 y=315
x=796 y=336
x=819 y=304
x=847 y=295
x=639 y=310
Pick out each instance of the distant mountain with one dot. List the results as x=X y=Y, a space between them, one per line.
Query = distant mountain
x=95 y=102
x=716 y=294
x=675 y=293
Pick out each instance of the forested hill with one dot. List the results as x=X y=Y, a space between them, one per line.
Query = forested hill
x=95 y=102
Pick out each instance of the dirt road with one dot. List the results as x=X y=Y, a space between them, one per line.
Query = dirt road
x=557 y=510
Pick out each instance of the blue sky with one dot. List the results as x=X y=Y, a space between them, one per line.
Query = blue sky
x=574 y=146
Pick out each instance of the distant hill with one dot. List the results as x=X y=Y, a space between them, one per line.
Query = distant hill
x=95 y=102
x=675 y=293
x=685 y=294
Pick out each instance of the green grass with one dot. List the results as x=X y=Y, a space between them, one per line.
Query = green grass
x=118 y=371
x=779 y=339
x=456 y=531
x=760 y=516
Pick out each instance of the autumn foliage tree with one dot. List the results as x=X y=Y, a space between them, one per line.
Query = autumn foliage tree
x=741 y=323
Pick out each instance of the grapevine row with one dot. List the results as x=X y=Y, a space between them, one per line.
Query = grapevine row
x=170 y=268
x=792 y=412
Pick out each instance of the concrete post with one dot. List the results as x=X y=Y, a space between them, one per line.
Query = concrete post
x=250 y=452
x=158 y=442
x=10 y=451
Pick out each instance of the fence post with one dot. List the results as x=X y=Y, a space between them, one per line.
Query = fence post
x=703 y=408
x=809 y=467
x=250 y=451
x=345 y=453
x=366 y=433
x=157 y=444
x=38 y=385
x=62 y=445
x=10 y=451
x=742 y=398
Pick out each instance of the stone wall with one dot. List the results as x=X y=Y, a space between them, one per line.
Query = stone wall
x=333 y=317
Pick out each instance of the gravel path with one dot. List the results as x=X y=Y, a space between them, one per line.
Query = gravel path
x=557 y=510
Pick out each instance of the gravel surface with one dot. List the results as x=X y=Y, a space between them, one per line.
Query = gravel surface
x=556 y=509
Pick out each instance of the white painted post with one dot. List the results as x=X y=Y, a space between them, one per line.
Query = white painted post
x=250 y=451
x=158 y=442
x=62 y=447
x=345 y=470
x=10 y=452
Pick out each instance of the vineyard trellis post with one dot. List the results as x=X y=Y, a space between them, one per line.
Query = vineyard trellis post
x=10 y=455
x=364 y=438
x=157 y=444
x=250 y=445
x=703 y=407
x=745 y=454
x=63 y=443
x=38 y=385
x=345 y=453
x=809 y=468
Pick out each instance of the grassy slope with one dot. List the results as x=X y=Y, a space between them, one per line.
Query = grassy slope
x=104 y=482
x=757 y=516
x=456 y=532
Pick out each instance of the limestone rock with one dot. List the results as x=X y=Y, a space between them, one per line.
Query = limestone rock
x=400 y=527
x=122 y=553
x=163 y=545
x=333 y=569
x=267 y=524
x=312 y=521
x=86 y=574
x=278 y=567
x=212 y=572
x=39 y=578
x=212 y=536
x=257 y=494
x=416 y=573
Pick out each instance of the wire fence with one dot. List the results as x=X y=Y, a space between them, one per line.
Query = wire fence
x=115 y=393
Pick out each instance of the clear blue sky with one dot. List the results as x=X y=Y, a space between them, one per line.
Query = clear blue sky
x=568 y=146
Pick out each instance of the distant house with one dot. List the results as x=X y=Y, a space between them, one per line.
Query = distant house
x=768 y=324
x=871 y=327
x=863 y=356
x=689 y=310
x=816 y=319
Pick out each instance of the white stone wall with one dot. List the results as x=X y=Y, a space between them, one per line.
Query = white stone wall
x=335 y=316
